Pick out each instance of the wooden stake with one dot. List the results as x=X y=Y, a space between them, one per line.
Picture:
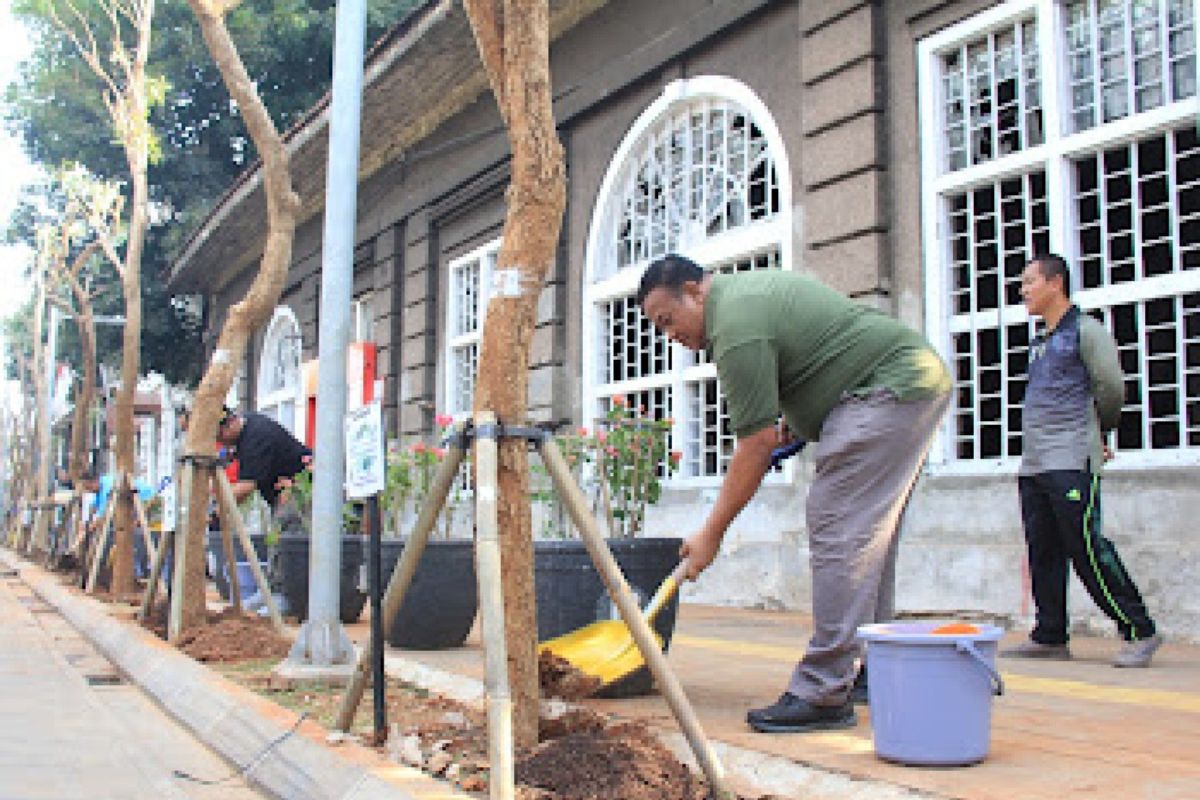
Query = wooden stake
x=160 y=559
x=643 y=636
x=225 y=495
x=232 y=577
x=102 y=537
x=501 y=780
x=401 y=577
x=179 y=580
x=139 y=511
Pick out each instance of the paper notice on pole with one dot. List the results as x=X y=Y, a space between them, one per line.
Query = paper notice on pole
x=364 y=451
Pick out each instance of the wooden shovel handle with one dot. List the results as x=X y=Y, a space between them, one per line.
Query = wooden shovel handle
x=665 y=591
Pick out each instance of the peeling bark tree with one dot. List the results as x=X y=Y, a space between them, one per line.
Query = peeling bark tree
x=127 y=101
x=80 y=310
x=513 y=37
x=249 y=314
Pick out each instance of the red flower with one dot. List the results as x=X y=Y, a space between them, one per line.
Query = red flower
x=440 y=452
x=419 y=447
x=582 y=431
x=444 y=420
x=676 y=456
x=619 y=401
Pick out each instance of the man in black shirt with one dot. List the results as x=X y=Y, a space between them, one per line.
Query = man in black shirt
x=266 y=452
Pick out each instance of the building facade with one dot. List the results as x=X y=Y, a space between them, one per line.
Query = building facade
x=912 y=154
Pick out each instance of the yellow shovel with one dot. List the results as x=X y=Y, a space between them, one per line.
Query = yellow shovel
x=606 y=650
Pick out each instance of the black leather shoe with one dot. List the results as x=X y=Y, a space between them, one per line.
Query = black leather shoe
x=791 y=714
x=858 y=691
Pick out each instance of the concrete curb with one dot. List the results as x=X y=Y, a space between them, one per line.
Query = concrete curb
x=764 y=772
x=233 y=721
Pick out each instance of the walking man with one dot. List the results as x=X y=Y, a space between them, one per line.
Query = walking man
x=871 y=390
x=1072 y=401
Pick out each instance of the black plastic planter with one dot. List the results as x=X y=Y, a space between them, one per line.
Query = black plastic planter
x=217 y=553
x=571 y=594
x=440 y=604
x=290 y=567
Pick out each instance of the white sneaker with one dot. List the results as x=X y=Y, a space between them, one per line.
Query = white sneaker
x=1139 y=652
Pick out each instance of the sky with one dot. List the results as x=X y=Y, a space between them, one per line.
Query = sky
x=14 y=47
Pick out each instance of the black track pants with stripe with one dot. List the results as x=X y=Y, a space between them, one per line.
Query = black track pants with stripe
x=1061 y=512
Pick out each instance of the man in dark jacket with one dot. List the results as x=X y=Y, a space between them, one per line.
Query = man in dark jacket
x=1072 y=401
x=266 y=452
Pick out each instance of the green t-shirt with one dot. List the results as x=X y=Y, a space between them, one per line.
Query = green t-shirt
x=786 y=343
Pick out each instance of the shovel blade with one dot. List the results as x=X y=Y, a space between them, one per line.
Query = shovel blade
x=604 y=650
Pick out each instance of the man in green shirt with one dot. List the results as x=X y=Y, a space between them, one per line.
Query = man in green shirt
x=869 y=389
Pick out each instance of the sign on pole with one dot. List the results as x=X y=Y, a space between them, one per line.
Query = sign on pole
x=364 y=451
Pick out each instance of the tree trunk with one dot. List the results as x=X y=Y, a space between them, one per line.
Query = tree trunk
x=136 y=153
x=514 y=44
x=85 y=394
x=253 y=310
x=39 y=487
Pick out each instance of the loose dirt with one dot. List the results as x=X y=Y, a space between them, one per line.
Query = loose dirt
x=582 y=755
x=226 y=636
x=559 y=678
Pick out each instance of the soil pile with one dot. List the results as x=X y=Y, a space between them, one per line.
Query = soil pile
x=559 y=678
x=226 y=636
x=234 y=637
x=620 y=761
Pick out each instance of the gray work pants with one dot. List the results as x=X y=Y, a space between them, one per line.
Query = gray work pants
x=871 y=451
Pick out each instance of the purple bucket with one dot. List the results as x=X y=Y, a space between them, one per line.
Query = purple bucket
x=931 y=693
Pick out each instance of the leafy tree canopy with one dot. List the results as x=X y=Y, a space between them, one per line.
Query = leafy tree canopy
x=287 y=46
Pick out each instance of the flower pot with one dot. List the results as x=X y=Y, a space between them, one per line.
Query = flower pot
x=571 y=594
x=440 y=604
x=290 y=569
x=216 y=557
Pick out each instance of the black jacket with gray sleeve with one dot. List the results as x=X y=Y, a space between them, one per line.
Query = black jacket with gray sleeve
x=1074 y=394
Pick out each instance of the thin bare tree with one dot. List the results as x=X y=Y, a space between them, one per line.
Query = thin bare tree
x=513 y=37
x=253 y=310
x=119 y=61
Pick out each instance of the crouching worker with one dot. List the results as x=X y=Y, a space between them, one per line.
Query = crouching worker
x=266 y=452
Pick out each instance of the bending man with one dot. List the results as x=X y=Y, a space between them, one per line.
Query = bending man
x=871 y=390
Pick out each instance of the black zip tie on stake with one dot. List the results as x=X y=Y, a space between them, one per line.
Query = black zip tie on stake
x=250 y=766
x=204 y=462
x=463 y=437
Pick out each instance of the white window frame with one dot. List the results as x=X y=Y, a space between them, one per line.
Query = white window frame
x=734 y=244
x=362 y=318
x=283 y=324
x=1055 y=154
x=484 y=257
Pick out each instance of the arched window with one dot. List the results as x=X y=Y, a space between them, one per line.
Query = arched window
x=279 y=369
x=703 y=173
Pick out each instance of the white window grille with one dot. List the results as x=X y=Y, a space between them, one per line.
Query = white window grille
x=279 y=369
x=703 y=173
x=1126 y=57
x=469 y=291
x=1090 y=151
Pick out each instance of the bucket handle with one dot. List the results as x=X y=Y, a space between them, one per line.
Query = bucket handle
x=965 y=646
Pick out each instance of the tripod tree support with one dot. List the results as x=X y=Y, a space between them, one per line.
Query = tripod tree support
x=402 y=575
x=643 y=636
x=487 y=555
x=231 y=518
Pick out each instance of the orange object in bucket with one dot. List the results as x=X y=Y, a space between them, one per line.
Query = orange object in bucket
x=956 y=629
